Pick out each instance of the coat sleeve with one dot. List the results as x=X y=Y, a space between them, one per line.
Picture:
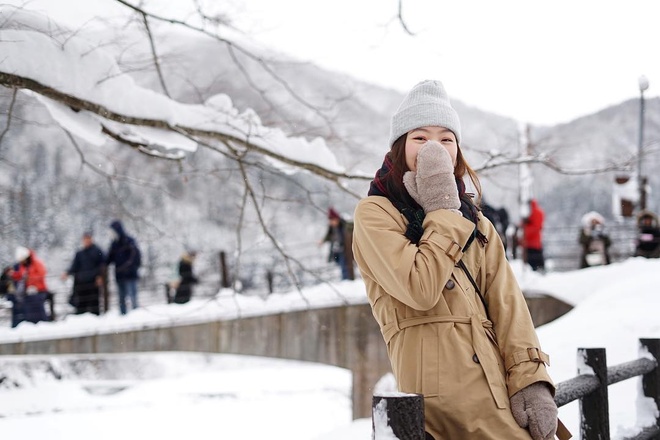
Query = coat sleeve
x=37 y=275
x=75 y=265
x=413 y=274
x=516 y=336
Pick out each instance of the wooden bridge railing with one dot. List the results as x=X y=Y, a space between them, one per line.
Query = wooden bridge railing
x=590 y=387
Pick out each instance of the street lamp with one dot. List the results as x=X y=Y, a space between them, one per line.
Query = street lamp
x=643 y=86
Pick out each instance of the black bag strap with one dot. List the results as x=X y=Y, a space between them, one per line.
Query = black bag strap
x=461 y=264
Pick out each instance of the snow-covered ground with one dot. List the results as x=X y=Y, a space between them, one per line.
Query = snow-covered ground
x=174 y=395
x=170 y=396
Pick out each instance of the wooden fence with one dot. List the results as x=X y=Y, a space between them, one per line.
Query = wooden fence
x=590 y=387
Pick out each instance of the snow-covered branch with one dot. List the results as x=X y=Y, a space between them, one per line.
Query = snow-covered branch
x=233 y=48
x=86 y=92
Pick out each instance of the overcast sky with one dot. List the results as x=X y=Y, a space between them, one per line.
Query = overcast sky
x=539 y=62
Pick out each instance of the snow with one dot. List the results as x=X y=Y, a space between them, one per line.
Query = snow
x=221 y=396
x=381 y=428
x=87 y=72
x=226 y=305
x=169 y=395
x=196 y=397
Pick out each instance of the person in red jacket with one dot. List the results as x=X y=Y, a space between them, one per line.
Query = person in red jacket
x=532 y=242
x=29 y=274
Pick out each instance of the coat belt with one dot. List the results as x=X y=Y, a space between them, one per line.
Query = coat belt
x=480 y=344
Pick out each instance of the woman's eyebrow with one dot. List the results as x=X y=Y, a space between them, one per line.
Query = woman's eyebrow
x=426 y=130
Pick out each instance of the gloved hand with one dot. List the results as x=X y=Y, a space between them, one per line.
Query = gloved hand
x=534 y=408
x=31 y=290
x=433 y=186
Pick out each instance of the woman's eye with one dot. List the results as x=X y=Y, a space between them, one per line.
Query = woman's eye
x=447 y=140
x=419 y=138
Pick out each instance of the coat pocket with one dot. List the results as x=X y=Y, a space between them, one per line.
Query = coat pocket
x=429 y=367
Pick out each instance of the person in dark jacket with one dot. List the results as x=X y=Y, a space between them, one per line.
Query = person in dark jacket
x=87 y=270
x=125 y=255
x=8 y=288
x=499 y=218
x=187 y=278
x=647 y=243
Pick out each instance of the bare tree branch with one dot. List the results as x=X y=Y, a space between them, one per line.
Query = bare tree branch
x=288 y=259
x=9 y=117
x=154 y=55
x=545 y=160
x=402 y=21
x=112 y=176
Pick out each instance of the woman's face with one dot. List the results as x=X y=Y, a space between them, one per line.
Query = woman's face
x=419 y=136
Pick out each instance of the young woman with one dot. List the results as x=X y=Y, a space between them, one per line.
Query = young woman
x=455 y=322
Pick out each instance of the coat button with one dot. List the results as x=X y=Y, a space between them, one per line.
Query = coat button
x=475 y=358
x=450 y=284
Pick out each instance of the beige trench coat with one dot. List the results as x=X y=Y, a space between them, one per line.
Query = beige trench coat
x=439 y=342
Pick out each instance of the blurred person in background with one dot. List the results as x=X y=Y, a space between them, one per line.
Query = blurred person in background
x=30 y=293
x=87 y=269
x=125 y=254
x=187 y=278
x=647 y=243
x=594 y=240
x=336 y=236
x=532 y=237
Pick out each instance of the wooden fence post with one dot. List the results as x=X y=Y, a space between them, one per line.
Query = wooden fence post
x=651 y=381
x=400 y=414
x=269 y=281
x=224 y=274
x=594 y=407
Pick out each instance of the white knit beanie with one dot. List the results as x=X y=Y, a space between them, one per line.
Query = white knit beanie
x=427 y=104
x=21 y=253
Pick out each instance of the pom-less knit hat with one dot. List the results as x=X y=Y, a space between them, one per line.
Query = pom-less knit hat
x=427 y=104
x=21 y=254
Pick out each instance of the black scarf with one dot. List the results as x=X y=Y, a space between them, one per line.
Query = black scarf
x=414 y=213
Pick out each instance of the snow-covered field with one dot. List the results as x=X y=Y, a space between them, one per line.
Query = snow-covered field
x=175 y=395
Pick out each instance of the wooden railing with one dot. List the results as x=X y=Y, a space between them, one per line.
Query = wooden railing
x=590 y=387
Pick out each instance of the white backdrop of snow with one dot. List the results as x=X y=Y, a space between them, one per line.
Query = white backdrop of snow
x=615 y=306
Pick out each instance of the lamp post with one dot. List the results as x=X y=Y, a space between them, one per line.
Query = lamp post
x=643 y=86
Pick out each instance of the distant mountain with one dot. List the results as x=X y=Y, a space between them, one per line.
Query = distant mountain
x=605 y=139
